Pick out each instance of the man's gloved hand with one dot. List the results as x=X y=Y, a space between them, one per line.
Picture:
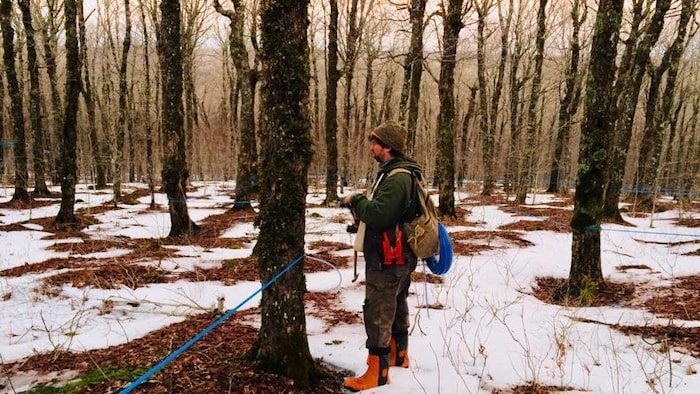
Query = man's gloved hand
x=346 y=202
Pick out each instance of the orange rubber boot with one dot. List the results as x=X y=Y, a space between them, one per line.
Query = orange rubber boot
x=377 y=374
x=398 y=352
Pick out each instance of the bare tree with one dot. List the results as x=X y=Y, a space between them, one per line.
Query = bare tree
x=569 y=103
x=585 y=273
x=69 y=171
x=352 y=40
x=331 y=120
x=148 y=121
x=488 y=138
x=246 y=85
x=175 y=171
x=16 y=103
x=3 y=142
x=452 y=19
x=633 y=66
x=123 y=121
x=40 y=187
x=49 y=30
x=194 y=17
x=282 y=345
x=516 y=82
x=90 y=106
x=527 y=170
x=413 y=71
x=659 y=116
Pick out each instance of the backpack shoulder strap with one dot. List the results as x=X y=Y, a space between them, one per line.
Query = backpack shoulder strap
x=414 y=190
x=398 y=170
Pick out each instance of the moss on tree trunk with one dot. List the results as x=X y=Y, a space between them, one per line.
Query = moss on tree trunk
x=282 y=346
x=585 y=272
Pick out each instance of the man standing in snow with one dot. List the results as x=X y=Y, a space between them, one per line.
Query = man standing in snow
x=389 y=260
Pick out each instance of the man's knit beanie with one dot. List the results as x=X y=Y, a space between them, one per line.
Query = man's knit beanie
x=391 y=134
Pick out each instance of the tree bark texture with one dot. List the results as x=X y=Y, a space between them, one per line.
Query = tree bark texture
x=246 y=179
x=69 y=169
x=487 y=138
x=331 y=119
x=446 y=119
x=568 y=107
x=148 y=128
x=175 y=171
x=351 y=53
x=35 y=118
x=490 y=116
x=50 y=39
x=526 y=173
x=282 y=345
x=123 y=122
x=4 y=143
x=634 y=66
x=413 y=72
x=16 y=103
x=660 y=116
x=585 y=271
x=100 y=176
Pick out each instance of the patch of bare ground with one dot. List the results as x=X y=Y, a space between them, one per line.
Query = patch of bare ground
x=536 y=388
x=610 y=293
x=460 y=219
x=417 y=276
x=215 y=364
x=32 y=203
x=688 y=222
x=553 y=219
x=675 y=243
x=680 y=300
x=467 y=243
x=57 y=232
x=479 y=199
x=324 y=305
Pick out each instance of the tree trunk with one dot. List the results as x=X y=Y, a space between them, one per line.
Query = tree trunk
x=331 y=120
x=69 y=177
x=585 y=272
x=516 y=92
x=246 y=179
x=446 y=119
x=634 y=66
x=693 y=150
x=50 y=33
x=568 y=107
x=527 y=171
x=487 y=136
x=175 y=172
x=87 y=93
x=16 y=103
x=148 y=128
x=462 y=172
x=351 y=44
x=40 y=188
x=413 y=71
x=123 y=121
x=3 y=139
x=659 y=118
x=282 y=345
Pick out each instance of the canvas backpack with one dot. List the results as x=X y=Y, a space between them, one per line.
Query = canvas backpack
x=422 y=232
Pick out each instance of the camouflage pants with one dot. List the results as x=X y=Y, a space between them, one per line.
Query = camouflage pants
x=386 y=309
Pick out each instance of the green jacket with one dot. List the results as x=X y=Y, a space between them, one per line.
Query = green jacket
x=391 y=197
x=393 y=202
